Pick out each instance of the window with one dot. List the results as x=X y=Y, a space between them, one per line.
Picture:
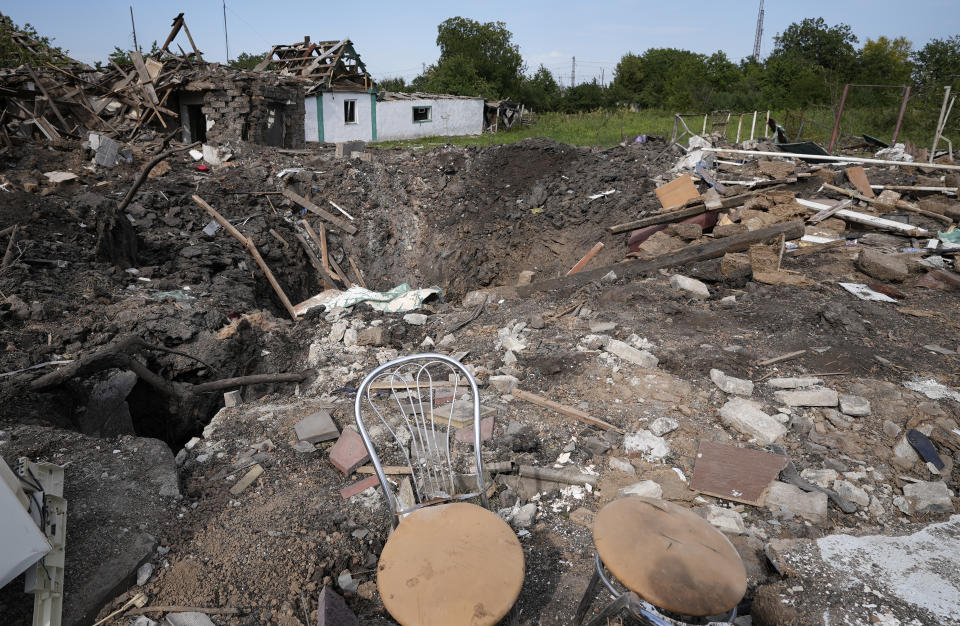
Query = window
x=422 y=114
x=349 y=111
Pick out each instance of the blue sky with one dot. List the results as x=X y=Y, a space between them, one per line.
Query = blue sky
x=396 y=38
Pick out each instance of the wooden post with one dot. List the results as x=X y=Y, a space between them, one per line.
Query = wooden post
x=249 y=245
x=704 y=132
x=586 y=258
x=753 y=125
x=739 y=126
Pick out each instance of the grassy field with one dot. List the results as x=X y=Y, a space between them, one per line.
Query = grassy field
x=608 y=128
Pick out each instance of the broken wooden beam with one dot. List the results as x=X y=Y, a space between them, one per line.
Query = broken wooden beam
x=562 y=409
x=558 y=476
x=782 y=357
x=900 y=203
x=356 y=271
x=830 y=157
x=252 y=249
x=313 y=208
x=690 y=254
x=866 y=220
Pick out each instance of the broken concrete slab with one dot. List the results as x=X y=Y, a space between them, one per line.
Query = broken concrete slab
x=316 y=427
x=882 y=266
x=690 y=286
x=189 y=618
x=629 y=353
x=807 y=397
x=724 y=519
x=746 y=417
x=663 y=425
x=929 y=497
x=794 y=382
x=731 y=385
x=846 y=489
x=855 y=406
x=811 y=506
x=504 y=383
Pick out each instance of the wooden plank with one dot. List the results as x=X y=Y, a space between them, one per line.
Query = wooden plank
x=819 y=247
x=356 y=271
x=733 y=473
x=53 y=105
x=824 y=214
x=690 y=254
x=900 y=204
x=328 y=281
x=677 y=191
x=389 y=470
x=310 y=206
x=858 y=176
x=141 y=68
x=864 y=219
x=781 y=358
x=562 y=409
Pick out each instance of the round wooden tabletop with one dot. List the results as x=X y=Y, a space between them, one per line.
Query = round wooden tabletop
x=449 y=564
x=669 y=556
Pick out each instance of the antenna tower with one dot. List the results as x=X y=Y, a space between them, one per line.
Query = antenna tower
x=759 y=36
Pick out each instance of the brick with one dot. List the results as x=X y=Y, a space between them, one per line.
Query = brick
x=316 y=427
x=247 y=479
x=361 y=485
x=349 y=452
x=465 y=435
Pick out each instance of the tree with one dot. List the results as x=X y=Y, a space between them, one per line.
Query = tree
x=584 y=97
x=247 y=61
x=813 y=42
x=885 y=61
x=540 y=92
x=455 y=75
x=122 y=57
x=392 y=84
x=938 y=63
x=41 y=49
x=487 y=48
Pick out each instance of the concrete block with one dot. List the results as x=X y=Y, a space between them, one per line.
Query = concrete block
x=465 y=435
x=746 y=417
x=631 y=354
x=929 y=497
x=347 y=148
x=731 y=385
x=372 y=336
x=856 y=406
x=316 y=427
x=232 y=398
x=811 y=506
x=691 y=286
x=349 y=452
x=808 y=397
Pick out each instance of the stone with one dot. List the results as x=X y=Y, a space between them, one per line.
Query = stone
x=724 y=519
x=808 y=397
x=594 y=342
x=904 y=455
x=646 y=444
x=144 y=572
x=332 y=609
x=731 y=385
x=511 y=343
x=415 y=319
x=855 y=406
x=232 y=398
x=447 y=341
x=929 y=497
x=596 y=445
x=663 y=425
x=629 y=353
x=336 y=331
x=645 y=488
x=890 y=429
x=821 y=477
x=350 y=337
x=582 y=517
x=690 y=286
x=525 y=516
x=347 y=582
x=504 y=384
x=372 y=336
x=189 y=618
x=304 y=447
x=349 y=452
x=848 y=490
x=746 y=417
x=345 y=149
x=811 y=506
x=536 y=321
x=882 y=266
x=316 y=427
x=619 y=465
x=214 y=155
x=601 y=327
x=794 y=382
x=509 y=359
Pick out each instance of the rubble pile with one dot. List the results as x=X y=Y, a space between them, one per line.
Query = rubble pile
x=743 y=312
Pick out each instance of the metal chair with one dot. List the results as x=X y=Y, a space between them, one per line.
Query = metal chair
x=675 y=566
x=447 y=561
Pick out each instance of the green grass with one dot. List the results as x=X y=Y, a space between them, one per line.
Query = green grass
x=608 y=128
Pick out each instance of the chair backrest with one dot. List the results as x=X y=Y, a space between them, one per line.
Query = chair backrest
x=419 y=401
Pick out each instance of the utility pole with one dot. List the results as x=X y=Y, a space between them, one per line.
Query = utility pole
x=226 y=42
x=134 y=26
x=423 y=67
x=601 y=77
x=573 y=72
x=759 y=35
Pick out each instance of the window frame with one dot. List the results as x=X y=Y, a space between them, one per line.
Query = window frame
x=347 y=103
x=413 y=113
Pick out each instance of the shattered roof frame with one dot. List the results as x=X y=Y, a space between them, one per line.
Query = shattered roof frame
x=330 y=64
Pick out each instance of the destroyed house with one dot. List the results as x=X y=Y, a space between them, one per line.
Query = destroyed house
x=341 y=102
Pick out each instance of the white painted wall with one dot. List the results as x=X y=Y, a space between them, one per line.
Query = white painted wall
x=449 y=117
x=334 y=128
x=310 y=122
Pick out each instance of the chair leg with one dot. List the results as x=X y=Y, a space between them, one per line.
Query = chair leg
x=587 y=598
x=612 y=609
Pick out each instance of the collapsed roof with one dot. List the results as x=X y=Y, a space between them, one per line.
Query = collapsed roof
x=329 y=64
